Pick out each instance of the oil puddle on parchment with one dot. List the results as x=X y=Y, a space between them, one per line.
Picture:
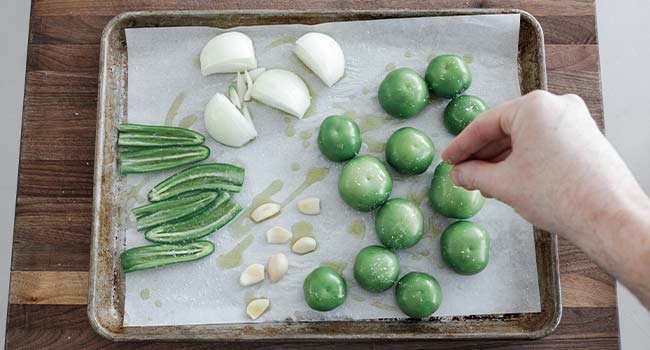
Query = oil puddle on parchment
x=243 y=224
x=374 y=145
x=233 y=258
x=305 y=136
x=132 y=193
x=417 y=197
x=301 y=229
x=174 y=108
x=357 y=229
x=290 y=130
x=240 y=226
x=379 y=305
x=282 y=41
x=188 y=121
x=313 y=176
x=145 y=294
x=368 y=122
x=337 y=266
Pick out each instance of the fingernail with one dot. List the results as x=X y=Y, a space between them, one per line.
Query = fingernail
x=456 y=176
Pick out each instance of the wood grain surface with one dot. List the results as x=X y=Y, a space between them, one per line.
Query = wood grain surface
x=53 y=211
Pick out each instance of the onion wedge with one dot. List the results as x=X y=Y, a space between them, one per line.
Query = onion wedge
x=284 y=90
x=229 y=52
x=323 y=55
x=226 y=124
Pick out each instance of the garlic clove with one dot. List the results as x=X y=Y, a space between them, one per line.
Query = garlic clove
x=278 y=235
x=283 y=90
x=226 y=124
x=277 y=267
x=229 y=52
x=265 y=211
x=251 y=275
x=257 y=307
x=323 y=55
x=304 y=245
x=309 y=206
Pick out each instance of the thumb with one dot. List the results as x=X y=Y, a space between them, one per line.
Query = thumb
x=479 y=175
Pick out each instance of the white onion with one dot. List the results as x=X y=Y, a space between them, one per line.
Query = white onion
x=256 y=73
x=249 y=87
x=323 y=55
x=228 y=53
x=226 y=124
x=234 y=97
x=241 y=84
x=284 y=90
x=246 y=114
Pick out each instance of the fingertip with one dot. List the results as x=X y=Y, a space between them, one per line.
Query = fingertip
x=456 y=176
x=446 y=157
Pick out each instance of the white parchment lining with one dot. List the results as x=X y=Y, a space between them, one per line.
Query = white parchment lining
x=165 y=84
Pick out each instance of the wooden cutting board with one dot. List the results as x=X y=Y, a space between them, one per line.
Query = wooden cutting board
x=53 y=212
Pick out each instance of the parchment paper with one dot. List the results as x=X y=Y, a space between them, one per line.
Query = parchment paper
x=165 y=84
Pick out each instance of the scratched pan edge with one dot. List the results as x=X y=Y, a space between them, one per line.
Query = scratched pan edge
x=105 y=288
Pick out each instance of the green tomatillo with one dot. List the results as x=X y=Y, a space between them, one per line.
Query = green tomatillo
x=448 y=76
x=465 y=247
x=403 y=93
x=461 y=111
x=376 y=268
x=450 y=200
x=418 y=294
x=339 y=138
x=324 y=289
x=365 y=183
x=409 y=151
x=399 y=224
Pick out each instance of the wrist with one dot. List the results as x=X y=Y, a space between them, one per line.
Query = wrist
x=618 y=239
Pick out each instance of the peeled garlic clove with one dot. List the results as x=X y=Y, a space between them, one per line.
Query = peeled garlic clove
x=234 y=97
x=251 y=275
x=304 y=245
x=309 y=206
x=256 y=73
x=257 y=307
x=266 y=211
x=228 y=53
x=226 y=124
x=323 y=55
x=277 y=267
x=278 y=235
x=284 y=90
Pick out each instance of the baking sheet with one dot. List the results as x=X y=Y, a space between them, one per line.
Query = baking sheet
x=165 y=85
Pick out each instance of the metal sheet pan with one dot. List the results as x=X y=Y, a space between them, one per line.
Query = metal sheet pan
x=105 y=295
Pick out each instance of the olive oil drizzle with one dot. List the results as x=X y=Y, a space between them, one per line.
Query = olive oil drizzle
x=233 y=258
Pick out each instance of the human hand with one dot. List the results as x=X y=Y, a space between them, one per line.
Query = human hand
x=543 y=155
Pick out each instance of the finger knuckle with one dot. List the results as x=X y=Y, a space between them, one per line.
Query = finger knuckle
x=539 y=95
x=574 y=99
